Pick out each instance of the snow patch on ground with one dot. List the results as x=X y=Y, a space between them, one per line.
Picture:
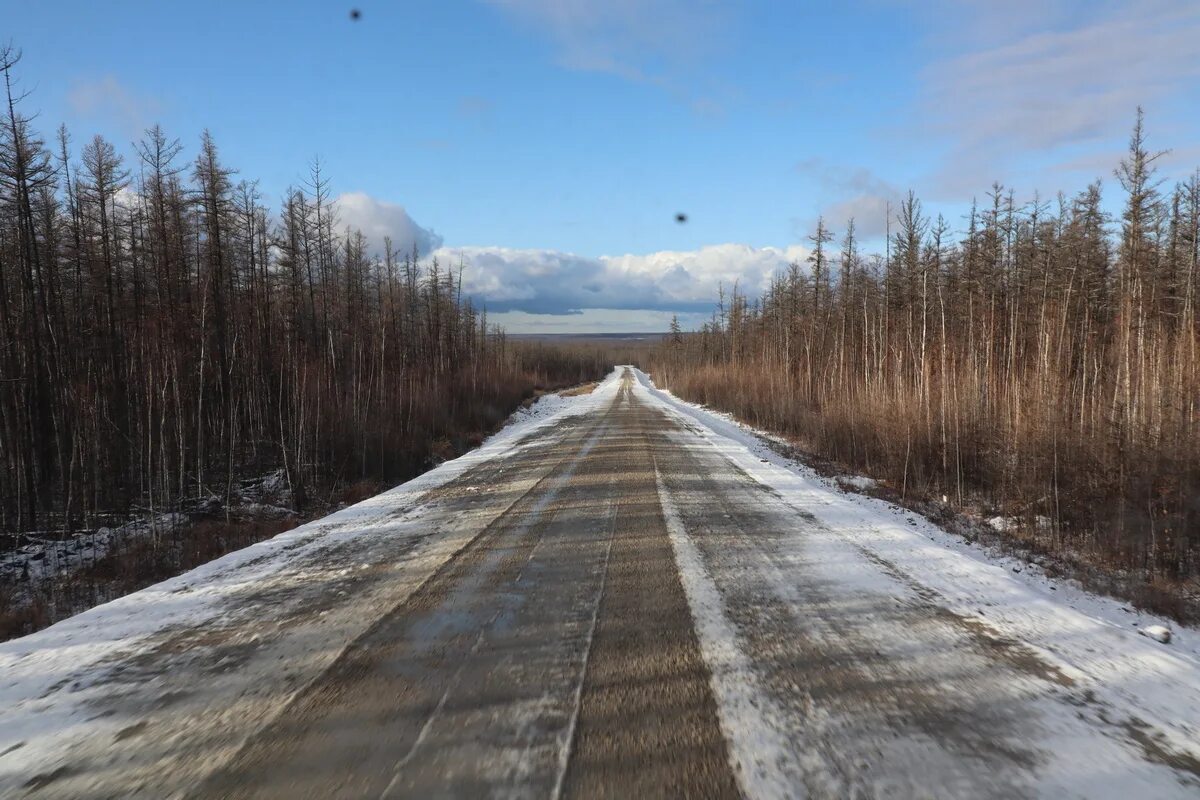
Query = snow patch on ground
x=1003 y=524
x=857 y=482
x=1159 y=633
x=1011 y=524
x=45 y=557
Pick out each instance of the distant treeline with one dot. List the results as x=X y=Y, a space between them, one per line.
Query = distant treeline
x=1044 y=362
x=163 y=333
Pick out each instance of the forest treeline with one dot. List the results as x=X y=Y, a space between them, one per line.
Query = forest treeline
x=164 y=333
x=1044 y=363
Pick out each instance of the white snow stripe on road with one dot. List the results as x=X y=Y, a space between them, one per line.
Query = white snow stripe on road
x=764 y=761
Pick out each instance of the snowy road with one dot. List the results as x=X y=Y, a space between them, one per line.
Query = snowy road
x=621 y=595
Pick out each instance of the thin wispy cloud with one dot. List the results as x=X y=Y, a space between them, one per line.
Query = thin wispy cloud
x=849 y=193
x=108 y=99
x=635 y=39
x=657 y=42
x=1071 y=85
x=474 y=107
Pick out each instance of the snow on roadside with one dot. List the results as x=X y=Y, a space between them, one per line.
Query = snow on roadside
x=549 y=408
x=44 y=677
x=1093 y=639
x=857 y=482
x=765 y=760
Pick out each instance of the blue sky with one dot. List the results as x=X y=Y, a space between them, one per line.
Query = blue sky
x=550 y=143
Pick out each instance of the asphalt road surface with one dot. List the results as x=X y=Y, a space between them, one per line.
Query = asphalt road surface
x=613 y=609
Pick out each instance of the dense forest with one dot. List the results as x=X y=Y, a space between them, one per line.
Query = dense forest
x=1043 y=363
x=163 y=334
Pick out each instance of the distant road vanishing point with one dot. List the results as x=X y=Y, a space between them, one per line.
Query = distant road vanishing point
x=621 y=596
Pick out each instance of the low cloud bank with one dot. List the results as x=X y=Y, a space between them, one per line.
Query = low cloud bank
x=552 y=282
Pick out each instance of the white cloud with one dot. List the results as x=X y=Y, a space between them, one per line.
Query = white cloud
x=109 y=99
x=379 y=218
x=551 y=282
x=633 y=291
x=695 y=276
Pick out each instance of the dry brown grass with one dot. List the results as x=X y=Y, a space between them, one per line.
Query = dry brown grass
x=575 y=391
x=361 y=490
